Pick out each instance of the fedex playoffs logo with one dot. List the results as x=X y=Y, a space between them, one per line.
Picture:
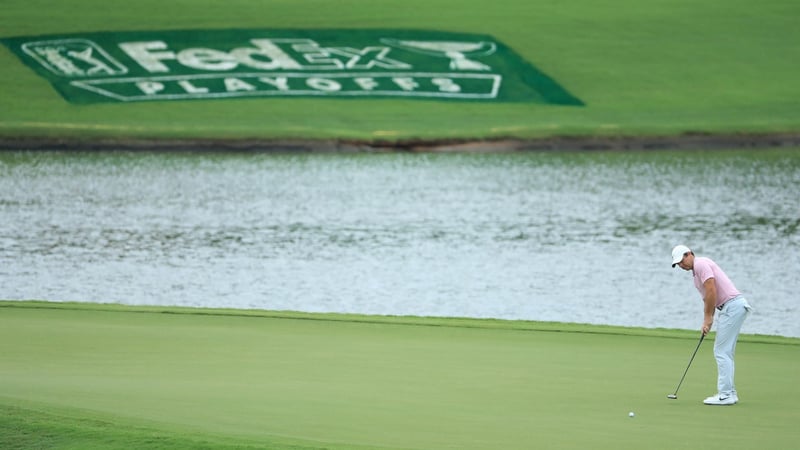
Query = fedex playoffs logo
x=174 y=65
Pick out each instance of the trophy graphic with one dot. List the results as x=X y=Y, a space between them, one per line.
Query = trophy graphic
x=456 y=51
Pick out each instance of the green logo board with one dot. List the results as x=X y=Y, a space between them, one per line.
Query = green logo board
x=212 y=64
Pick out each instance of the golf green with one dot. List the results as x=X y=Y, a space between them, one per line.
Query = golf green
x=117 y=376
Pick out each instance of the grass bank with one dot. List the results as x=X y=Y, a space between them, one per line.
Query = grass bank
x=110 y=376
x=659 y=68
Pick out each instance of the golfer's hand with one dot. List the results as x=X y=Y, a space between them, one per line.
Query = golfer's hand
x=706 y=327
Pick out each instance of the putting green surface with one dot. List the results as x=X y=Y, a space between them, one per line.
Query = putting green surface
x=82 y=375
x=643 y=68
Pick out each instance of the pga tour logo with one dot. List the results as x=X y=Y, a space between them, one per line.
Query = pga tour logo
x=155 y=70
x=73 y=58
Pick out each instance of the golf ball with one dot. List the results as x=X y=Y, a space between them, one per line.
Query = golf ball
x=631 y=414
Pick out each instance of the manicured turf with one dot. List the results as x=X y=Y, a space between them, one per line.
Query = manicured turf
x=656 y=67
x=104 y=376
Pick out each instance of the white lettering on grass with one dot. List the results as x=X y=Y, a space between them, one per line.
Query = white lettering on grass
x=366 y=83
x=250 y=84
x=323 y=84
x=446 y=85
x=191 y=88
x=406 y=84
x=142 y=53
x=206 y=59
x=276 y=58
x=235 y=84
x=368 y=58
x=317 y=56
x=150 y=87
x=281 y=83
x=264 y=56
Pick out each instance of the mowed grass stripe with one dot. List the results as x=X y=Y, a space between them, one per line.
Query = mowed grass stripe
x=258 y=380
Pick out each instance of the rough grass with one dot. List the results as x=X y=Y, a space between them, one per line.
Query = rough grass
x=643 y=68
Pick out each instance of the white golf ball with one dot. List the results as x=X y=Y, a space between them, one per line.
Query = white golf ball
x=631 y=414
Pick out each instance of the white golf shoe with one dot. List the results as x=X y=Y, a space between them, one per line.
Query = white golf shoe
x=721 y=399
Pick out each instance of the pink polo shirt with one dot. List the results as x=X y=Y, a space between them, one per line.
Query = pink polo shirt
x=705 y=268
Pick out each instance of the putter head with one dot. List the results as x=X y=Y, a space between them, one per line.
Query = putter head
x=672 y=396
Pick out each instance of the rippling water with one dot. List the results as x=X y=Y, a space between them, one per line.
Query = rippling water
x=575 y=237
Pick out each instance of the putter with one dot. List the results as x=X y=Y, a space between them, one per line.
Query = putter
x=675 y=395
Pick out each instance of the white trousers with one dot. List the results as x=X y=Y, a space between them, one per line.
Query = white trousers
x=729 y=323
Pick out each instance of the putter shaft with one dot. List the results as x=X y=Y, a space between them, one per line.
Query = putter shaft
x=675 y=395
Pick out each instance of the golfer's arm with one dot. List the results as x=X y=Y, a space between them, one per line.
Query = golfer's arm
x=709 y=300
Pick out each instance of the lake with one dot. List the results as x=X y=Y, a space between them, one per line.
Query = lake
x=554 y=236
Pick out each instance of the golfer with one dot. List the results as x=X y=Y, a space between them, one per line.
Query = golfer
x=717 y=292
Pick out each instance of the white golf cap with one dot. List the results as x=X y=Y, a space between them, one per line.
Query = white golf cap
x=677 y=253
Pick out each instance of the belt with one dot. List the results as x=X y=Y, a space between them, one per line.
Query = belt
x=726 y=302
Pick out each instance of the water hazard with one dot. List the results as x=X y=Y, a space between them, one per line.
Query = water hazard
x=574 y=237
